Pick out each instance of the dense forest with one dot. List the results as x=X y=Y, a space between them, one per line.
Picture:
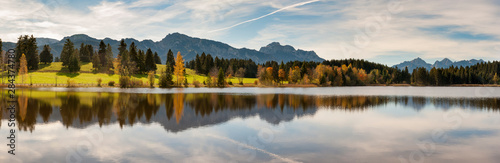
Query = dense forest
x=346 y=72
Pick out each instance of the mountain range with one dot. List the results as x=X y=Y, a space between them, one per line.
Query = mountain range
x=445 y=63
x=188 y=46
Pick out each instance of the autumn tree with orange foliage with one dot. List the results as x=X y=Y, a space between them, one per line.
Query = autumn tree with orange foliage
x=23 y=67
x=179 y=68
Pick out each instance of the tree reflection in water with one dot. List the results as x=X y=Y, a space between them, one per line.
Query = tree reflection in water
x=76 y=109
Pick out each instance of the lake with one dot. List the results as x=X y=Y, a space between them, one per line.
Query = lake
x=342 y=124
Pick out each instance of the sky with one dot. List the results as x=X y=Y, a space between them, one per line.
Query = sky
x=383 y=31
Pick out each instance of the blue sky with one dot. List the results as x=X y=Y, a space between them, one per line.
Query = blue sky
x=384 y=31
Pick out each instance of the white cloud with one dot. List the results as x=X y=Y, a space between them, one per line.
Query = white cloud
x=403 y=32
x=321 y=26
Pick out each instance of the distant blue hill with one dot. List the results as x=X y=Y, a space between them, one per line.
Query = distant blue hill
x=445 y=63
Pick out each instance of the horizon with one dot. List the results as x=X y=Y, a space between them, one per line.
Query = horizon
x=377 y=31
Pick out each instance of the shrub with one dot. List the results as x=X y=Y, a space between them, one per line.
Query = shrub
x=111 y=83
x=196 y=83
x=186 y=84
x=241 y=82
x=124 y=81
x=99 y=81
x=134 y=83
x=151 y=78
x=208 y=81
x=230 y=82
x=256 y=82
x=71 y=83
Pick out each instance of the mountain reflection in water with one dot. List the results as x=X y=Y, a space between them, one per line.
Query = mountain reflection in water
x=177 y=112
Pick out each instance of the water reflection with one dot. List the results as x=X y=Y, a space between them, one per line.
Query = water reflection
x=179 y=111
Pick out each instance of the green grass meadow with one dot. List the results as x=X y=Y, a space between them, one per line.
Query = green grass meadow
x=50 y=73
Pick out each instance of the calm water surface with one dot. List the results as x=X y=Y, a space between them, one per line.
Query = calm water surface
x=349 y=124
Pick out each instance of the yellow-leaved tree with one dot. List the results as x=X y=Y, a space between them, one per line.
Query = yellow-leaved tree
x=23 y=68
x=179 y=68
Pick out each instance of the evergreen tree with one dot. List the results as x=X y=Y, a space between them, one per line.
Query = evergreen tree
x=66 y=52
x=90 y=52
x=46 y=56
x=84 y=53
x=170 y=58
x=96 y=62
x=122 y=47
x=133 y=56
x=140 y=61
x=202 y=63
x=220 y=78
x=109 y=58
x=102 y=56
x=150 y=64
x=166 y=79
x=303 y=69
x=209 y=64
x=197 y=64
x=74 y=65
x=27 y=45
x=157 y=58
x=57 y=59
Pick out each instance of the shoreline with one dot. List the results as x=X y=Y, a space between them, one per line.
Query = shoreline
x=244 y=86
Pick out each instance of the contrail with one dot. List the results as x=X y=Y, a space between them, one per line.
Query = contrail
x=254 y=19
x=254 y=148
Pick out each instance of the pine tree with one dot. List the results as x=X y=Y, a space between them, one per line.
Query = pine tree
x=150 y=64
x=157 y=58
x=140 y=61
x=27 y=45
x=109 y=58
x=74 y=65
x=57 y=59
x=83 y=52
x=170 y=58
x=86 y=53
x=303 y=69
x=197 y=64
x=32 y=55
x=122 y=47
x=46 y=56
x=66 y=52
x=220 y=78
x=179 y=68
x=166 y=80
x=209 y=63
x=96 y=62
x=90 y=52
x=132 y=51
x=102 y=56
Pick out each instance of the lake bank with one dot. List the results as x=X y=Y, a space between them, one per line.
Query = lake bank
x=105 y=85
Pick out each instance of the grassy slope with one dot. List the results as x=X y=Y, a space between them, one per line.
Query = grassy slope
x=47 y=74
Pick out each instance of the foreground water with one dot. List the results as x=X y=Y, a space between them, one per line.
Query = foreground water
x=349 y=124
